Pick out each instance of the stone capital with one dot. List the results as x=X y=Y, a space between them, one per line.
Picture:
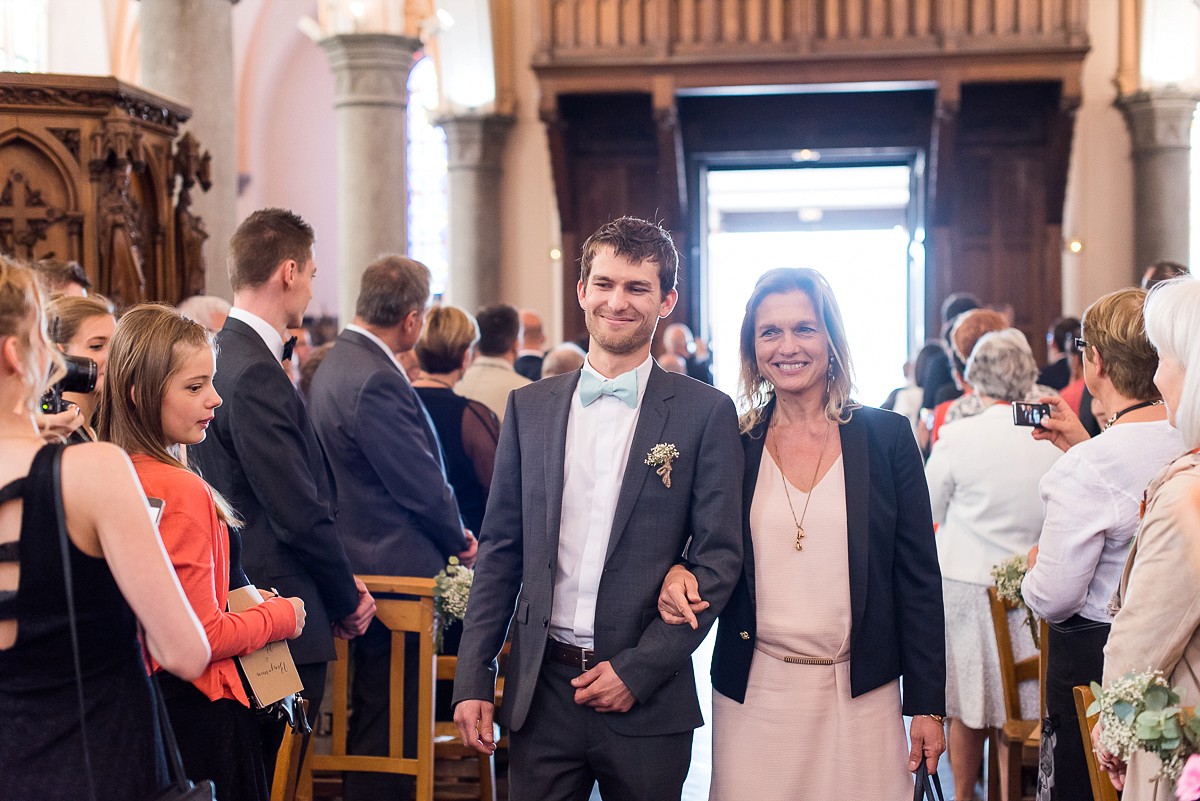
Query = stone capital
x=370 y=69
x=1159 y=119
x=475 y=141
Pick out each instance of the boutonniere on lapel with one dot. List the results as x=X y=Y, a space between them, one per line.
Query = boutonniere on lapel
x=661 y=456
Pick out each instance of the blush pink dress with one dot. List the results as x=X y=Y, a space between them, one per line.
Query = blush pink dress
x=799 y=736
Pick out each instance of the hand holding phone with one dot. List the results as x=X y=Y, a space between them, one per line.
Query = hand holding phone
x=1029 y=414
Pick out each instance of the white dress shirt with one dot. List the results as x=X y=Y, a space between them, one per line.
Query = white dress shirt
x=358 y=329
x=1092 y=499
x=598 y=441
x=264 y=329
x=983 y=478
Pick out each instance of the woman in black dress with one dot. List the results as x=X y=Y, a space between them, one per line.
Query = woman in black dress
x=118 y=569
x=468 y=430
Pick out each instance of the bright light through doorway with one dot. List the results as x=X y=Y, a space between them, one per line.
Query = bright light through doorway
x=866 y=264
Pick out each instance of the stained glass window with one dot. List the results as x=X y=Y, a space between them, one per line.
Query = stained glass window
x=428 y=197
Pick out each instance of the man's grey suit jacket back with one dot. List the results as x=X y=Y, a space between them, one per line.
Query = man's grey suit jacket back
x=653 y=525
x=397 y=515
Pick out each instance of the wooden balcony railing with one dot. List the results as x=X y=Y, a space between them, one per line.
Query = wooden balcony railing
x=575 y=32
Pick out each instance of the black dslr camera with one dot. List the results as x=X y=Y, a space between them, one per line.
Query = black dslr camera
x=80 y=377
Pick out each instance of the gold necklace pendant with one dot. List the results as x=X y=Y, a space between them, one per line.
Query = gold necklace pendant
x=799 y=538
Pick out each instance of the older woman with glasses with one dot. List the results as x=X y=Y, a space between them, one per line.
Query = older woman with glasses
x=1091 y=498
x=983 y=484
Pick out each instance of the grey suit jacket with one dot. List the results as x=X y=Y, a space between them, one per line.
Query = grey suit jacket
x=518 y=549
x=397 y=514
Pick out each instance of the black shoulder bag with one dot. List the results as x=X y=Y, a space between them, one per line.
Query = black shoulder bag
x=181 y=788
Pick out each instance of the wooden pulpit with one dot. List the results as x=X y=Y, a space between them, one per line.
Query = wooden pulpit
x=95 y=170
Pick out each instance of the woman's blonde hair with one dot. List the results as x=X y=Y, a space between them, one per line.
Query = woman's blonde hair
x=756 y=391
x=1115 y=327
x=66 y=313
x=148 y=348
x=21 y=317
x=449 y=333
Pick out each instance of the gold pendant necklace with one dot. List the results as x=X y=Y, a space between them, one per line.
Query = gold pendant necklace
x=800 y=533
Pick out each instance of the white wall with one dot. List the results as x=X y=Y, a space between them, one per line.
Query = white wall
x=78 y=38
x=1099 y=202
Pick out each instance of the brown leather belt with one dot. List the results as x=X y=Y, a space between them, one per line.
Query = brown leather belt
x=581 y=659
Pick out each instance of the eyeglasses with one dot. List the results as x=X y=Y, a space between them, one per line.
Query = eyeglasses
x=1080 y=344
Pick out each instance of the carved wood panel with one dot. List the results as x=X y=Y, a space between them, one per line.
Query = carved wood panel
x=88 y=172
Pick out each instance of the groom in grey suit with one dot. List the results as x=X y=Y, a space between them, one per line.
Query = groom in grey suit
x=604 y=479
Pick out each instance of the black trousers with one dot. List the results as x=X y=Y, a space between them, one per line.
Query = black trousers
x=1076 y=657
x=218 y=740
x=563 y=749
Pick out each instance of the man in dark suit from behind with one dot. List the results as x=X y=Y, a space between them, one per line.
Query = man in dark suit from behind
x=263 y=455
x=533 y=346
x=397 y=512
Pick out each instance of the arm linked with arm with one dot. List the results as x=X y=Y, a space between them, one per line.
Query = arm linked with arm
x=714 y=556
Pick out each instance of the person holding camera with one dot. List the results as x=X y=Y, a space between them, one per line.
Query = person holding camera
x=82 y=328
x=117 y=569
x=1092 y=498
x=160 y=398
x=983 y=478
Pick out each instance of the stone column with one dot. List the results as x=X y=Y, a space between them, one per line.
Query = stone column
x=1160 y=122
x=187 y=54
x=475 y=143
x=371 y=98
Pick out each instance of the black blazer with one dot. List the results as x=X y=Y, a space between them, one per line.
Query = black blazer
x=262 y=454
x=897 y=626
x=397 y=515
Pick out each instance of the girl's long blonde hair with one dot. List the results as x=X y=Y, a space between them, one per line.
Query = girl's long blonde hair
x=21 y=317
x=148 y=348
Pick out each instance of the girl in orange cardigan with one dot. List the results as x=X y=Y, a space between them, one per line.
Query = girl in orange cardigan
x=159 y=397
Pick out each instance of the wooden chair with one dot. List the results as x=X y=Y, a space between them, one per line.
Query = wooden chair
x=287 y=764
x=411 y=614
x=1014 y=746
x=1102 y=787
x=436 y=739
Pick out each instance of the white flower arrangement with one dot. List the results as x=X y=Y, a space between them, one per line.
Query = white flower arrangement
x=661 y=456
x=451 y=591
x=1007 y=577
x=1141 y=712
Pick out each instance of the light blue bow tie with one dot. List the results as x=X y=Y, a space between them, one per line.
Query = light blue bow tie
x=624 y=386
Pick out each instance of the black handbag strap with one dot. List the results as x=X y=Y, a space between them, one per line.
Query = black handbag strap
x=927 y=786
x=64 y=542
x=174 y=760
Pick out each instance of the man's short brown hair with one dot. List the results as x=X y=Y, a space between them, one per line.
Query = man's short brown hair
x=638 y=241
x=263 y=241
x=1115 y=327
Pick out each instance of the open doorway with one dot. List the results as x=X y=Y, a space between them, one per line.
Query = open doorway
x=856 y=221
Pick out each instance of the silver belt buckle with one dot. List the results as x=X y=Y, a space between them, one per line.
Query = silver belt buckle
x=583 y=660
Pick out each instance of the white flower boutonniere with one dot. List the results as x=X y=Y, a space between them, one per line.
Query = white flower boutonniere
x=661 y=456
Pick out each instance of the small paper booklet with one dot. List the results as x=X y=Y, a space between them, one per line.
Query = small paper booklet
x=269 y=670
